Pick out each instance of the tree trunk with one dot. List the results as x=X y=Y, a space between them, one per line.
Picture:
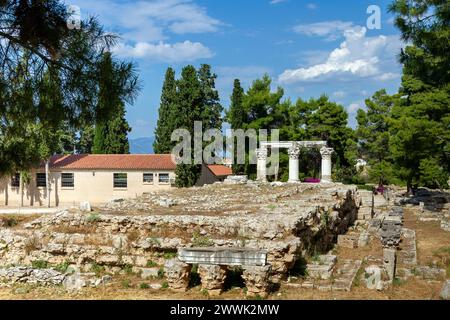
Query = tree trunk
x=409 y=187
x=21 y=189
x=47 y=182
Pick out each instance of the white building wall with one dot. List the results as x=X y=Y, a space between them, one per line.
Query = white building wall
x=95 y=186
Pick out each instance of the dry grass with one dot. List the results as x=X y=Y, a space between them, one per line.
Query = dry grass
x=32 y=243
x=14 y=221
x=85 y=229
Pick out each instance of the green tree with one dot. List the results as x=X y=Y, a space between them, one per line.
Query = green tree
x=117 y=82
x=236 y=117
x=420 y=122
x=86 y=139
x=373 y=136
x=212 y=109
x=327 y=121
x=48 y=79
x=112 y=137
x=188 y=109
x=166 y=119
x=261 y=107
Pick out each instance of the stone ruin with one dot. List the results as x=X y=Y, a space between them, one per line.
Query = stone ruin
x=285 y=221
x=265 y=229
x=213 y=264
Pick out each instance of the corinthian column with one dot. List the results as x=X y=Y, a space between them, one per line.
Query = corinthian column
x=326 y=164
x=261 y=154
x=294 y=152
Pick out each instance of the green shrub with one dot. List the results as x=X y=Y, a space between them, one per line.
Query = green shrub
x=62 y=267
x=161 y=273
x=165 y=285
x=128 y=269
x=151 y=264
x=144 y=286
x=97 y=269
x=93 y=217
x=39 y=264
x=170 y=255
x=201 y=241
x=398 y=282
x=9 y=222
x=126 y=283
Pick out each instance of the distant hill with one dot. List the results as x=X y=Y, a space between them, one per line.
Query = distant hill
x=141 y=145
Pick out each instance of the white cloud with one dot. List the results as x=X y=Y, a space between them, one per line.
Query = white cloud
x=387 y=76
x=146 y=26
x=172 y=53
x=357 y=56
x=311 y=6
x=331 y=30
x=151 y=20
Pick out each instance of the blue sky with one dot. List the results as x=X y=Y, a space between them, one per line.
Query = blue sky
x=307 y=47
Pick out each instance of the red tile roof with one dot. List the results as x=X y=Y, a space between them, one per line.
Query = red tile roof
x=220 y=170
x=113 y=161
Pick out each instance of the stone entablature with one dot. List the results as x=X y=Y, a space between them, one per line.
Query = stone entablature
x=223 y=256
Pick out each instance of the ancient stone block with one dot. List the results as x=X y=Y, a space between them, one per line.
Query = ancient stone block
x=373 y=278
x=407 y=256
x=374 y=225
x=85 y=206
x=445 y=292
x=322 y=268
x=345 y=275
x=390 y=232
x=430 y=273
x=348 y=240
x=147 y=273
x=365 y=213
x=177 y=274
x=257 y=280
x=223 y=256
x=445 y=224
x=389 y=262
x=363 y=239
x=212 y=278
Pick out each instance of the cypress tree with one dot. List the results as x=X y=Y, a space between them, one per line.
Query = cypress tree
x=188 y=109
x=166 y=124
x=236 y=117
x=212 y=109
x=116 y=82
x=112 y=137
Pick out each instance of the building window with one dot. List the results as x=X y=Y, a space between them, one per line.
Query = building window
x=148 y=178
x=15 y=180
x=163 y=178
x=41 y=180
x=120 y=180
x=67 y=180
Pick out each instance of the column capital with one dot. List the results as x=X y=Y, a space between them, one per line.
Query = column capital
x=262 y=153
x=294 y=151
x=326 y=152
